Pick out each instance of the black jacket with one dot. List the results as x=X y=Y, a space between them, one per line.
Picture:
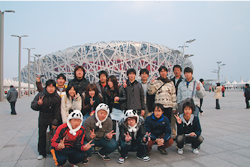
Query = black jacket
x=109 y=100
x=135 y=96
x=80 y=84
x=178 y=82
x=100 y=88
x=51 y=107
x=247 y=92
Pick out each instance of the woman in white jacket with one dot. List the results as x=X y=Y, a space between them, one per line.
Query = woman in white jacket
x=71 y=101
x=217 y=95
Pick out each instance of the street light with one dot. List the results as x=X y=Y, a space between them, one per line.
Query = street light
x=38 y=61
x=29 y=69
x=218 y=71
x=183 y=51
x=19 y=64
x=1 y=51
x=34 y=69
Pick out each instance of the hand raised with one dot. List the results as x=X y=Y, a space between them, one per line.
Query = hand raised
x=125 y=83
x=91 y=101
x=110 y=134
x=153 y=79
x=40 y=101
x=142 y=113
x=61 y=144
x=198 y=86
x=178 y=119
x=127 y=137
x=92 y=134
x=88 y=145
x=147 y=134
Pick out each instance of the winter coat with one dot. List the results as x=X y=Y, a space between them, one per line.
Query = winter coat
x=109 y=100
x=51 y=107
x=158 y=127
x=87 y=107
x=176 y=85
x=89 y=124
x=217 y=92
x=185 y=92
x=135 y=96
x=12 y=95
x=68 y=103
x=193 y=125
x=100 y=88
x=80 y=84
x=123 y=129
x=60 y=93
x=247 y=92
x=165 y=95
x=70 y=140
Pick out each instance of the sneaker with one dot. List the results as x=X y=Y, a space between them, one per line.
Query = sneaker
x=121 y=160
x=180 y=151
x=40 y=157
x=162 y=151
x=144 y=158
x=72 y=165
x=104 y=157
x=86 y=160
x=195 y=151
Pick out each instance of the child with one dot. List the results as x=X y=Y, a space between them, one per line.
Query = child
x=158 y=125
x=71 y=101
x=132 y=136
x=91 y=98
x=68 y=141
x=188 y=129
x=99 y=129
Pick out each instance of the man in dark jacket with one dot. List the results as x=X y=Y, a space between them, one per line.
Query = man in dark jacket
x=102 y=83
x=247 y=95
x=135 y=93
x=12 y=98
x=48 y=102
x=80 y=82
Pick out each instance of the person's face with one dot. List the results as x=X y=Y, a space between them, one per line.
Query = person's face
x=131 y=121
x=102 y=114
x=91 y=93
x=131 y=76
x=50 y=89
x=202 y=82
x=79 y=73
x=110 y=83
x=188 y=75
x=158 y=112
x=72 y=92
x=60 y=81
x=177 y=72
x=144 y=76
x=163 y=73
x=187 y=111
x=75 y=122
x=103 y=78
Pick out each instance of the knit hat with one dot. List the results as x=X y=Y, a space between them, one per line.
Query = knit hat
x=104 y=107
x=76 y=114
x=129 y=114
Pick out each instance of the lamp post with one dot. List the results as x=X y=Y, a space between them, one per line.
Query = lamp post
x=38 y=62
x=183 y=51
x=19 y=64
x=218 y=71
x=1 y=51
x=29 y=69
x=34 y=70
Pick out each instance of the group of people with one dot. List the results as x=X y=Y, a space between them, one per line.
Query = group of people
x=88 y=116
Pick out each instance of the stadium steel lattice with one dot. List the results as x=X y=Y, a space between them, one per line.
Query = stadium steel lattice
x=116 y=57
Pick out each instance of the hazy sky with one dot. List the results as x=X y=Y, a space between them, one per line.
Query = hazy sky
x=221 y=30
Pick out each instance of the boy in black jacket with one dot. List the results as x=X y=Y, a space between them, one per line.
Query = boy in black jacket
x=158 y=125
x=132 y=136
x=188 y=129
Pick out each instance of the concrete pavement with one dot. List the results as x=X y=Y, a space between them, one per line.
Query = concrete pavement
x=226 y=138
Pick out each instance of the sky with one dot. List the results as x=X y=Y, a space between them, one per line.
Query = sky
x=221 y=30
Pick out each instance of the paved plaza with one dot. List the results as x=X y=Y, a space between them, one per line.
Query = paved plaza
x=226 y=135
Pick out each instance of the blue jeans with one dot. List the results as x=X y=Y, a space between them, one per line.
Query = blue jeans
x=84 y=118
x=73 y=155
x=12 y=106
x=108 y=146
x=136 y=145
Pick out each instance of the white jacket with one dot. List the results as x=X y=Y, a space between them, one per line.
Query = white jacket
x=185 y=92
x=67 y=104
x=217 y=91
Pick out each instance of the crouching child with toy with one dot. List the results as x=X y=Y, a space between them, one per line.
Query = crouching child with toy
x=68 y=141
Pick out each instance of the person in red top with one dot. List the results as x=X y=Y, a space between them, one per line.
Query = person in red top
x=68 y=142
x=223 y=90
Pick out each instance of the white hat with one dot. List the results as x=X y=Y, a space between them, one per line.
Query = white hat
x=131 y=113
x=104 y=107
x=76 y=114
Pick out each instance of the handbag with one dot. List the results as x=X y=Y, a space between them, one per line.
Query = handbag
x=151 y=100
x=190 y=99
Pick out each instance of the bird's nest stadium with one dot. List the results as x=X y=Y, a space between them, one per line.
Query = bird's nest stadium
x=116 y=57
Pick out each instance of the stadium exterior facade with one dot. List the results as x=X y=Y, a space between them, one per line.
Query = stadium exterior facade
x=116 y=57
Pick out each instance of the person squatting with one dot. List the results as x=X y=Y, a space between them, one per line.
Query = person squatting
x=103 y=117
